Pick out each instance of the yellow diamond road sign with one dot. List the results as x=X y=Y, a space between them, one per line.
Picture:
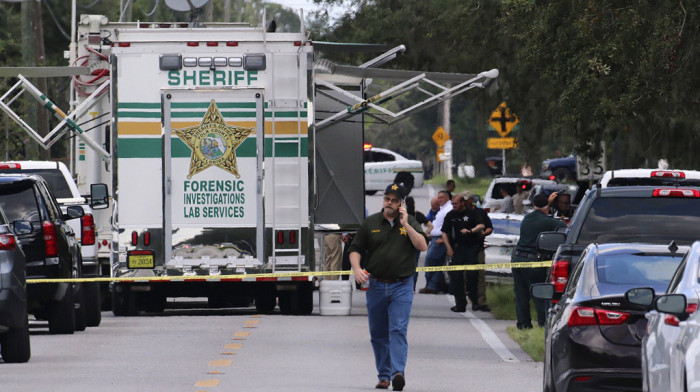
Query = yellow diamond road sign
x=440 y=137
x=502 y=120
x=501 y=143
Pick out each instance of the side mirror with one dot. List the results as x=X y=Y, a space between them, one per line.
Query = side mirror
x=21 y=227
x=674 y=304
x=542 y=291
x=73 y=212
x=550 y=240
x=643 y=296
x=99 y=196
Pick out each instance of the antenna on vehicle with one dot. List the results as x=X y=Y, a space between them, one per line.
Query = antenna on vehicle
x=194 y=6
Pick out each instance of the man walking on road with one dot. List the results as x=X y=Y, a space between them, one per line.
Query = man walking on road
x=435 y=281
x=390 y=239
x=533 y=224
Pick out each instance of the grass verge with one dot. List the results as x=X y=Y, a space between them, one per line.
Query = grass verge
x=501 y=300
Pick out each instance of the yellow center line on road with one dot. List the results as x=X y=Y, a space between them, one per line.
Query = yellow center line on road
x=221 y=362
x=233 y=346
x=207 y=383
x=239 y=335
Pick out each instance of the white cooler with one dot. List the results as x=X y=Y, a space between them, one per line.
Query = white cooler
x=335 y=297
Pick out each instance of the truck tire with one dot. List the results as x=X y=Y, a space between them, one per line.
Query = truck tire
x=61 y=314
x=80 y=315
x=563 y=175
x=14 y=344
x=92 y=301
x=299 y=301
x=265 y=303
x=406 y=179
x=123 y=302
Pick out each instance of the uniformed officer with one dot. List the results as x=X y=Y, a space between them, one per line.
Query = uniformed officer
x=390 y=239
x=532 y=225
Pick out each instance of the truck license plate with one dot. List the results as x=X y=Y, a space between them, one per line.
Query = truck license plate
x=141 y=259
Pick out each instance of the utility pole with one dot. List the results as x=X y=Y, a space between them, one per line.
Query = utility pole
x=32 y=56
x=447 y=104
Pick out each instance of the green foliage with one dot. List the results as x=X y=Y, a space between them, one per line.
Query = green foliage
x=530 y=340
x=575 y=72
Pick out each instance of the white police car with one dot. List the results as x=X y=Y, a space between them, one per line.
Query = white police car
x=384 y=167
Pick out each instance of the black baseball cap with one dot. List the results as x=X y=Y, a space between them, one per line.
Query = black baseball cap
x=397 y=189
x=540 y=200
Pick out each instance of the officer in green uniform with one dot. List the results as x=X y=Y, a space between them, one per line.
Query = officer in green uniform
x=389 y=240
x=532 y=225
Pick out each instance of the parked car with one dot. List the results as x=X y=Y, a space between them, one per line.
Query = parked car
x=14 y=325
x=493 y=198
x=50 y=249
x=63 y=186
x=671 y=347
x=657 y=214
x=559 y=169
x=500 y=244
x=658 y=177
x=384 y=167
x=593 y=334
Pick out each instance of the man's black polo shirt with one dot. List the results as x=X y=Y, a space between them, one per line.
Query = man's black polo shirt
x=390 y=254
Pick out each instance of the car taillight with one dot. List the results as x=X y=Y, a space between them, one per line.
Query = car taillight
x=672 y=192
x=559 y=275
x=88 y=230
x=292 y=237
x=668 y=173
x=581 y=316
x=7 y=242
x=611 y=317
x=50 y=240
x=672 y=320
x=6 y=166
x=552 y=177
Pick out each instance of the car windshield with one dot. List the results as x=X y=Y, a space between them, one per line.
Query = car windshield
x=643 y=269
x=506 y=226
x=19 y=203
x=651 y=220
x=53 y=177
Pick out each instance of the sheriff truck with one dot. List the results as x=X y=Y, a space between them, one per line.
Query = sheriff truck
x=209 y=162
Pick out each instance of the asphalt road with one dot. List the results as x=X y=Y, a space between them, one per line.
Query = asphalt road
x=189 y=348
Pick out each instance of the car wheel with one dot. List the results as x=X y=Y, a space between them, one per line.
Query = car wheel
x=61 y=314
x=563 y=175
x=406 y=179
x=14 y=344
x=92 y=301
x=80 y=315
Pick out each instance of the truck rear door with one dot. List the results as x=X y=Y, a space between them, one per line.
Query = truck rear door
x=213 y=205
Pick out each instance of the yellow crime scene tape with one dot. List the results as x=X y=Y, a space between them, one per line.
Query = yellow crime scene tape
x=251 y=277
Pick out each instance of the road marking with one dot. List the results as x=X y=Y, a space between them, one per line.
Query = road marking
x=207 y=383
x=252 y=321
x=221 y=362
x=240 y=335
x=487 y=334
x=233 y=346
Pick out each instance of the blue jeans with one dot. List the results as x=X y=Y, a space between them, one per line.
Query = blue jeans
x=388 y=311
x=435 y=257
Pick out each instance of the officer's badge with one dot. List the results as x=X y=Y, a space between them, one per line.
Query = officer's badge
x=213 y=143
x=402 y=231
x=394 y=187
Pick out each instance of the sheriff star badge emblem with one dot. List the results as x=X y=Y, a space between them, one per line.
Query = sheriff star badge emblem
x=213 y=143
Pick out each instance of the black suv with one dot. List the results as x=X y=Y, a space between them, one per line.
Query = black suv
x=645 y=214
x=50 y=248
x=14 y=328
